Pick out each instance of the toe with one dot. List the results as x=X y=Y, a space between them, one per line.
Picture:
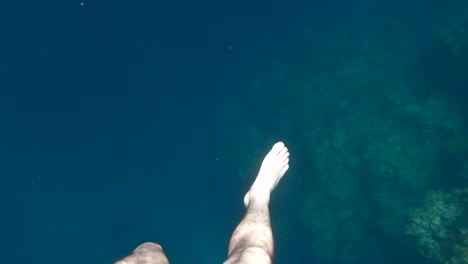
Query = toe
x=277 y=147
x=283 y=152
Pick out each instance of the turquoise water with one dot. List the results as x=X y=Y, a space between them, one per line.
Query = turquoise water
x=125 y=122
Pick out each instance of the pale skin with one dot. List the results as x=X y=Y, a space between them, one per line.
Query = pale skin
x=252 y=240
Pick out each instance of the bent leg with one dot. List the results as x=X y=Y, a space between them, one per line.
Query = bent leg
x=252 y=240
x=146 y=253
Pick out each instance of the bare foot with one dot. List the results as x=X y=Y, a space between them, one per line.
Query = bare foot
x=274 y=166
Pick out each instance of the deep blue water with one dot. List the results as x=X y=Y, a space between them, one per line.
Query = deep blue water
x=131 y=121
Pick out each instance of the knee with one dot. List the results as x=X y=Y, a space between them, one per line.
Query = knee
x=151 y=253
x=149 y=247
x=146 y=253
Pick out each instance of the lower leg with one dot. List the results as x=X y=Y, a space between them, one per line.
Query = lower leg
x=252 y=240
x=146 y=253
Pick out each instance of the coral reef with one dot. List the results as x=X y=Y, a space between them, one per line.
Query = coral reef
x=440 y=226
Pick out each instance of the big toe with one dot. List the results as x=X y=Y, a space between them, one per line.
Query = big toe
x=277 y=147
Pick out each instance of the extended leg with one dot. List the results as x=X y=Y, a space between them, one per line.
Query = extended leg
x=146 y=253
x=252 y=240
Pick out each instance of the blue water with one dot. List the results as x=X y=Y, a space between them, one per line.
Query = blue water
x=131 y=121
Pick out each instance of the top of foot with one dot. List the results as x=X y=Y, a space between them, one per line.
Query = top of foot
x=274 y=166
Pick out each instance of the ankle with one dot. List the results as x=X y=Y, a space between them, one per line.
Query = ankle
x=259 y=196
